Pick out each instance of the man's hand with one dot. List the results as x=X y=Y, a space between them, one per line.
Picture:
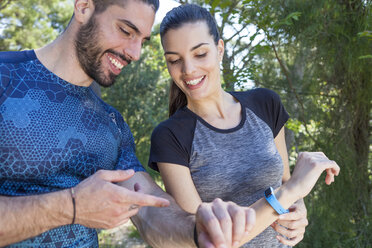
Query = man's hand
x=292 y=225
x=102 y=204
x=222 y=224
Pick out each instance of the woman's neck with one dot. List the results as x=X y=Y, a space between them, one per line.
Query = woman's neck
x=213 y=105
x=221 y=110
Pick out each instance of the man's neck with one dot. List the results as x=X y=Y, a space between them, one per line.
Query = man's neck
x=60 y=58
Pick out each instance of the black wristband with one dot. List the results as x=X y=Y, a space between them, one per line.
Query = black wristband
x=72 y=192
x=196 y=237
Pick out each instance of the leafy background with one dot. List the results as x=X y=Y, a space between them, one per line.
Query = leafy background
x=315 y=54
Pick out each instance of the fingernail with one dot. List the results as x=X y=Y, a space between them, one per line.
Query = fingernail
x=222 y=246
x=136 y=187
x=236 y=244
x=165 y=204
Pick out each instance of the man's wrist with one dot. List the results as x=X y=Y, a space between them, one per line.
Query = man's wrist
x=54 y=207
x=72 y=193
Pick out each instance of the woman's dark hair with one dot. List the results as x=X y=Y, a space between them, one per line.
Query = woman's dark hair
x=188 y=13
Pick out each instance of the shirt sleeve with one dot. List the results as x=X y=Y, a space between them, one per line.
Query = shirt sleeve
x=278 y=116
x=4 y=79
x=166 y=147
x=266 y=104
x=127 y=156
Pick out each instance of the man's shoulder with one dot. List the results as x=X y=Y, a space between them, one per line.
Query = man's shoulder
x=14 y=57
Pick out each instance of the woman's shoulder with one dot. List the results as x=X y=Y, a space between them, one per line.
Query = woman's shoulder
x=178 y=124
x=256 y=95
x=265 y=104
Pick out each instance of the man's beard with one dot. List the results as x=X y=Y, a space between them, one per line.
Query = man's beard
x=89 y=53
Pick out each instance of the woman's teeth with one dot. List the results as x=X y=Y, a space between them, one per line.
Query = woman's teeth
x=194 y=81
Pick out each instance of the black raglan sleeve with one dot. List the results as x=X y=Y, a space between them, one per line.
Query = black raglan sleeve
x=267 y=105
x=171 y=140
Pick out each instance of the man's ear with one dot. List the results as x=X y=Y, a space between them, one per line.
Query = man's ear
x=83 y=10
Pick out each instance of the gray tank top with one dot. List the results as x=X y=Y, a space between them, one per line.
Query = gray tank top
x=236 y=164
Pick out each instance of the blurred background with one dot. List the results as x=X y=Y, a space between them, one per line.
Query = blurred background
x=316 y=54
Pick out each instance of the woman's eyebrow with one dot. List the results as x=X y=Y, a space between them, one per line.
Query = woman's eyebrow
x=193 y=48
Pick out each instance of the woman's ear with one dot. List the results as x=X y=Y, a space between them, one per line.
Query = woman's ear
x=83 y=10
x=220 y=49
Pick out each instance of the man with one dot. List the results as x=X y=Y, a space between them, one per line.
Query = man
x=67 y=161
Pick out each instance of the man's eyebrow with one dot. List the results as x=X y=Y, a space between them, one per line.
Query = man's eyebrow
x=193 y=48
x=134 y=27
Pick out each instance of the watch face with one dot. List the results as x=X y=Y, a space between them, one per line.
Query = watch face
x=268 y=192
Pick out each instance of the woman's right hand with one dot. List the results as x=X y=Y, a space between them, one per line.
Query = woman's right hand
x=309 y=167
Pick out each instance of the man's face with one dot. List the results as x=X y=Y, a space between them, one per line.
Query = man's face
x=112 y=39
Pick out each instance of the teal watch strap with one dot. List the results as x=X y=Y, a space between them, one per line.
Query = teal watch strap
x=271 y=199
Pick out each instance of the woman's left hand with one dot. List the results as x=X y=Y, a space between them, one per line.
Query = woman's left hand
x=292 y=225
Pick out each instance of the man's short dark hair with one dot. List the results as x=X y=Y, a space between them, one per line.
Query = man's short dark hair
x=101 y=5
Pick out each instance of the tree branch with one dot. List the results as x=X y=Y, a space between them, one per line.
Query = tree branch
x=232 y=37
x=4 y=3
x=289 y=80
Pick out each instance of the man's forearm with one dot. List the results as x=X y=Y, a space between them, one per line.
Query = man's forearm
x=166 y=227
x=28 y=216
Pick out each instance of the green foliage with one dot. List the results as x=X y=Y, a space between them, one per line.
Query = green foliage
x=317 y=55
x=32 y=23
x=320 y=67
x=141 y=95
x=288 y=20
x=133 y=232
x=316 y=64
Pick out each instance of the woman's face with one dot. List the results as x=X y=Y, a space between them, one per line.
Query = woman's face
x=193 y=60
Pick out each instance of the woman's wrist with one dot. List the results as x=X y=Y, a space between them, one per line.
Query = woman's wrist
x=287 y=195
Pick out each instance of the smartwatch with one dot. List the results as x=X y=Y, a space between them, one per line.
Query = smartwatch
x=271 y=199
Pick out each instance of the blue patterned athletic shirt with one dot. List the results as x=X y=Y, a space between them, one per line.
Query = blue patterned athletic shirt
x=53 y=135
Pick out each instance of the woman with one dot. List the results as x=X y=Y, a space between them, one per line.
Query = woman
x=224 y=145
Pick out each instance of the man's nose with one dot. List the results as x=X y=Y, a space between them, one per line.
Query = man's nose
x=133 y=51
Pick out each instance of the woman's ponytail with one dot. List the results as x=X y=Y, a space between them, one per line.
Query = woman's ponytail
x=177 y=99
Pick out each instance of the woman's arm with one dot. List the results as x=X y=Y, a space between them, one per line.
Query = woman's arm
x=172 y=227
x=234 y=221
x=282 y=149
x=292 y=225
x=178 y=183
x=308 y=169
